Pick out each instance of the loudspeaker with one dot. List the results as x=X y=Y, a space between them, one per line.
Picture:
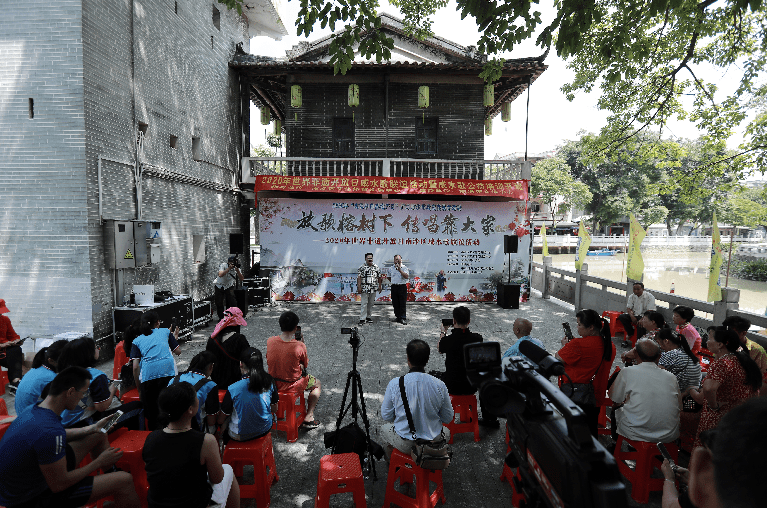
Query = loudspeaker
x=241 y=295
x=508 y=295
x=237 y=243
x=510 y=244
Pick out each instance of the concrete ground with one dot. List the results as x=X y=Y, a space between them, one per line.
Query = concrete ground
x=472 y=481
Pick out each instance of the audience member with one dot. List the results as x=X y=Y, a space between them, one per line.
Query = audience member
x=727 y=470
x=227 y=344
x=288 y=360
x=369 y=282
x=40 y=457
x=678 y=358
x=183 y=465
x=11 y=356
x=522 y=328
x=587 y=360
x=252 y=400
x=42 y=372
x=427 y=398
x=153 y=363
x=650 y=396
x=732 y=378
x=638 y=302
x=198 y=375
x=755 y=351
x=652 y=322
x=682 y=316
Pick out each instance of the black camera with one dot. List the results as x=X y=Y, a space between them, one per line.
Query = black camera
x=234 y=261
x=559 y=461
x=447 y=322
x=354 y=338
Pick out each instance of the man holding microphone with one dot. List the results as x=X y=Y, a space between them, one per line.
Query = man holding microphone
x=398 y=275
x=228 y=274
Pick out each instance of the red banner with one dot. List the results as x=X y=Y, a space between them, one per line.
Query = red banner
x=513 y=189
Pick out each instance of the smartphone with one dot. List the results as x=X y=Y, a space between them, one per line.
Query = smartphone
x=174 y=324
x=112 y=420
x=447 y=322
x=568 y=332
x=665 y=453
x=299 y=335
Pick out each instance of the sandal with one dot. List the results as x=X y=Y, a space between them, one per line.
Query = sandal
x=310 y=425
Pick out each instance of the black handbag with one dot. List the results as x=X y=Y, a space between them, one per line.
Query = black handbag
x=580 y=393
x=428 y=454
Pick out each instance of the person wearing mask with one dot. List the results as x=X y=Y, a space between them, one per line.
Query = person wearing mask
x=732 y=378
x=251 y=401
x=183 y=465
x=587 y=361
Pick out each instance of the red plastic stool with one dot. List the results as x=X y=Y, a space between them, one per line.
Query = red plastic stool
x=645 y=459
x=120 y=359
x=291 y=412
x=221 y=395
x=259 y=454
x=130 y=396
x=340 y=473
x=3 y=380
x=3 y=408
x=402 y=468
x=465 y=408
x=132 y=443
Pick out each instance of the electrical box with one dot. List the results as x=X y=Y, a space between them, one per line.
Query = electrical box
x=119 y=244
x=154 y=231
x=140 y=251
x=154 y=253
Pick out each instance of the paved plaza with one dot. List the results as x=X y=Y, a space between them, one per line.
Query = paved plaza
x=472 y=481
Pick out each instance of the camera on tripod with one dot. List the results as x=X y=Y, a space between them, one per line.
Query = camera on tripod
x=559 y=461
x=354 y=338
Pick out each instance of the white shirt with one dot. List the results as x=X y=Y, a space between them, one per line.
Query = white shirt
x=395 y=276
x=640 y=304
x=227 y=280
x=429 y=403
x=651 y=411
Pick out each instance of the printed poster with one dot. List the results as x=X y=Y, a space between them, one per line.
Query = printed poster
x=453 y=250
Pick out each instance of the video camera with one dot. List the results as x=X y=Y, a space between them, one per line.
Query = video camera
x=560 y=463
x=234 y=261
x=354 y=338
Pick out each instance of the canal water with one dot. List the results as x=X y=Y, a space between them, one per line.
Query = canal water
x=687 y=271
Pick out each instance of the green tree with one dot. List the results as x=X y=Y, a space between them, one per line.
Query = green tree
x=552 y=182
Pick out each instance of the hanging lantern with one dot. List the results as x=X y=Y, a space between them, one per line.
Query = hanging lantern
x=277 y=127
x=488 y=126
x=489 y=95
x=266 y=116
x=506 y=111
x=423 y=100
x=295 y=98
x=354 y=97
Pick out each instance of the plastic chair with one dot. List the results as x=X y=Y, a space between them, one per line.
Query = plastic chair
x=132 y=443
x=338 y=474
x=291 y=412
x=259 y=454
x=3 y=408
x=3 y=380
x=130 y=396
x=465 y=408
x=646 y=460
x=120 y=359
x=402 y=468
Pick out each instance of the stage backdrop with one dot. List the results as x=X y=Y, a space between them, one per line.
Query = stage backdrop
x=313 y=248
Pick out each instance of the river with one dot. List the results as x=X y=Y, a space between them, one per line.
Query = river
x=688 y=273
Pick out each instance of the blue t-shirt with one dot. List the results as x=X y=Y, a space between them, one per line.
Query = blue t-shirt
x=98 y=391
x=251 y=414
x=514 y=349
x=34 y=439
x=31 y=386
x=207 y=395
x=154 y=352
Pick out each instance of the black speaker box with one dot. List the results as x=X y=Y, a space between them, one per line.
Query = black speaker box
x=237 y=243
x=242 y=300
x=508 y=295
x=510 y=244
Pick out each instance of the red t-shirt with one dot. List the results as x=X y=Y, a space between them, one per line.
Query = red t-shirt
x=284 y=360
x=7 y=333
x=582 y=357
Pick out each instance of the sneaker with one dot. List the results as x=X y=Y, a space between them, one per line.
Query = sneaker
x=489 y=424
x=369 y=320
x=403 y=321
x=12 y=388
x=362 y=322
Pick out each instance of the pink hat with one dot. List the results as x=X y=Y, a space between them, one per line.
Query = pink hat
x=3 y=308
x=232 y=317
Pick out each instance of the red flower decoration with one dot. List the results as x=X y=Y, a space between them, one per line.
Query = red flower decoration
x=329 y=297
x=449 y=297
x=288 y=296
x=423 y=299
x=410 y=297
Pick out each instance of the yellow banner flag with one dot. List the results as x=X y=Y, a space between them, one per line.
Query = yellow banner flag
x=545 y=243
x=584 y=241
x=635 y=264
x=714 y=287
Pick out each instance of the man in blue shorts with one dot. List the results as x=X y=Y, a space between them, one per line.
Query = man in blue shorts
x=40 y=457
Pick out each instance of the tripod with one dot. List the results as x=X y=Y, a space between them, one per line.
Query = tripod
x=354 y=379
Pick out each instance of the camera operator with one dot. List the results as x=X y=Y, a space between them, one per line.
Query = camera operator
x=228 y=275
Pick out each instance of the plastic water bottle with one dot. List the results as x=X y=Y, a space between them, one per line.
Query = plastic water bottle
x=672 y=287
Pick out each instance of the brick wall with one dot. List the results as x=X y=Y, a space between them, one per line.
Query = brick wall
x=74 y=58
x=44 y=268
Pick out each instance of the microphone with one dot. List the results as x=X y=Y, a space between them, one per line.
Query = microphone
x=545 y=361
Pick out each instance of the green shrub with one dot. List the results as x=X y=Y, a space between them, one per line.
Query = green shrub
x=752 y=270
